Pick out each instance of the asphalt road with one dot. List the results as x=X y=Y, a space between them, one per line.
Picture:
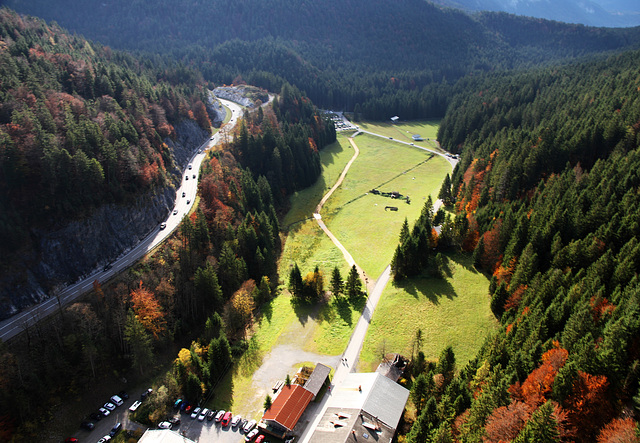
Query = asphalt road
x=18 y=323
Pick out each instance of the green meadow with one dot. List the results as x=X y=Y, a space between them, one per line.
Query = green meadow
x=451 y=311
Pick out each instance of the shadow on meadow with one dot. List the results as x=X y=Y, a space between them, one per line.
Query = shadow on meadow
x=432 y=288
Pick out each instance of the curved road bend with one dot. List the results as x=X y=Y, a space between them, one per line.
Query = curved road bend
x=20 y=322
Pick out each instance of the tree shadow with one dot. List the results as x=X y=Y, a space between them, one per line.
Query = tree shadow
x=305 y=311
x=464 y=260
x=266 y=309
x=431 y=288
x=343 y=308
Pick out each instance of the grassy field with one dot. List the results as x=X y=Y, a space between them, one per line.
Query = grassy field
x=359 y=219
x=453 y=311
x=404 y=131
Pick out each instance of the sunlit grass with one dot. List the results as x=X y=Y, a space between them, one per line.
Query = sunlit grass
x=405 y=131
x=359 y=219
x=453 y=311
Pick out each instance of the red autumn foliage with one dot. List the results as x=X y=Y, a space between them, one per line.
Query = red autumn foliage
x=536 y=389
x=491 y=257
x=601 y=307
x=620 y=430
x=473 y=235
x=505 y=423
x=588 y=406
x=513 y=302
x=504 y=273
x=148 y=310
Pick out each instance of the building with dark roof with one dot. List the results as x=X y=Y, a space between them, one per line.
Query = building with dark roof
x=317 y=379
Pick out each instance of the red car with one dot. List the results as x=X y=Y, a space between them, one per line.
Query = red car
x=71 y=440
x=260 y=439
x=226 y=419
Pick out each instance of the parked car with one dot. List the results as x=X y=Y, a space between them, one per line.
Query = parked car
x=195 y=412
x=249 y=426
x=145 y=394
x=116 y=400
x=177 y=404
x=184 y=405
x=260 y=439
x=211 y=414
x=236 y=421
x=203 y=414
x=175 y=421
x=88 y=425
x=242 y=424
x=71 y=440
x=104 y=411
x=136 y=404
x=105 y=439
x=123 y=395
x=110 y=406
x=219 y=415
x=97 y=416
x=116 y=428
x=226 y=419
x=251 y=434
x=164 y=425
x=188 y=409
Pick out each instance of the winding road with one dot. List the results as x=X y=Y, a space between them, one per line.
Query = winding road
x=351 y=354
x=25 y=319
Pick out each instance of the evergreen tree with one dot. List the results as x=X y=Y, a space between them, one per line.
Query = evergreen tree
x=542 y=427
x=353 y=286
x=337 y=284
x=445 y=191
x=296 y=286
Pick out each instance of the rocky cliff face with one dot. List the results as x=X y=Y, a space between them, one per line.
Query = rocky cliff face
x=64 y=255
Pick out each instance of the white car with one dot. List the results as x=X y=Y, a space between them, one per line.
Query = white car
x=195 y=412
x=105 y=439
x=203 y=414
x=164 y=425
x=249 y=426
x=251 y=434
x=236 y=421
x=104 y=411
x=136 y=404
x=110 y=406
x=219 y=416
x=116 y=400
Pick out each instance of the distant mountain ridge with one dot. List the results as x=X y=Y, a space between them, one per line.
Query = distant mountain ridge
x=616 y=13
x=340 y=53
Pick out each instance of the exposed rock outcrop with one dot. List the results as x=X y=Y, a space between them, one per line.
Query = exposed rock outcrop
x=65 y=254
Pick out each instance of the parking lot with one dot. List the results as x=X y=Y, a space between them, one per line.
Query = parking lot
x=207 y=431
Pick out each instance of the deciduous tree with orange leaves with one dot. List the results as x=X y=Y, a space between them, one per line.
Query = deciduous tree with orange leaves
x=148 y=310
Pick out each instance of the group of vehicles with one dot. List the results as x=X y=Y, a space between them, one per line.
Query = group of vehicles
x=105 y=410
x=224 y=418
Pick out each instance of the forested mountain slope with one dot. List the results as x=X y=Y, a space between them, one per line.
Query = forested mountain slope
x=340 y=53
x=550 y=190
x=82 y=127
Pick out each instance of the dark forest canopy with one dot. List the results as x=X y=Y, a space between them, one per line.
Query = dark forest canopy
x=548 y=193
x=81 y=125
x=388 y=57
